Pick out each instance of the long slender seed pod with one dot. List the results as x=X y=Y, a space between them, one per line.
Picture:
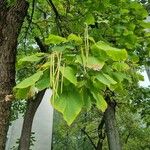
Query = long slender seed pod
x=62 y=78
x=83 y=59
x=53 y=75
x=58 y=72
x=86 y=40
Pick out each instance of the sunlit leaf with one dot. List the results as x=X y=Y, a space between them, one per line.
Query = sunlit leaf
x=54 y=39
x=91 y=62
x=69 y=74
x=114 y=53
x=69 y=104
x=75 y=38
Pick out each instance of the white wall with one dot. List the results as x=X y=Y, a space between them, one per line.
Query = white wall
x=146 y=81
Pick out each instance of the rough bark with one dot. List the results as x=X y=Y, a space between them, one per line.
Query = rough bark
x=32 y=106
x=11 y=20
x=111 y=127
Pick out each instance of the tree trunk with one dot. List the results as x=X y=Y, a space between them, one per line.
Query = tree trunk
x=24 y=143
x=11 y=20
x=101 y=134
x=32 y=107
x=111 y=127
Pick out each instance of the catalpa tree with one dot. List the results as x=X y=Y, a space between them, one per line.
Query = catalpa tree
x=94 y=51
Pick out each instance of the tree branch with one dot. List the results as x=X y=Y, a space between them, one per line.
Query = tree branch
x=57 y=17
x=100 y=134
x=30 y=21
x=43 y=48
x=54 y=8
x=89 y=138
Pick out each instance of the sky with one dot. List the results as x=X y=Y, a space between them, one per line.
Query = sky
x=146 y=81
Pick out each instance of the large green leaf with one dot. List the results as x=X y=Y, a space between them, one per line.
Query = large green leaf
x=32 y=58
x=91 y=62
x=29 y=81
x=118 y=76
x=75 y=38
x=62 y=48
x=44 y=81
x=90 y=20
x=69 y=74
x=69 y=104
x=54 y=39
x=105 y=79
x=120 y=66
x=100 y=102
x=114 y=53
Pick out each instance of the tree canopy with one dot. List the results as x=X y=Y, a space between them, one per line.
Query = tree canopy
x=89 y=53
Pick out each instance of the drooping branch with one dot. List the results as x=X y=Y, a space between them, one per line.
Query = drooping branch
x=101 y=135
x=89 y=138
x=30 y=21
x=43 y=48
x=54 y=9
x=57 y=17
x=127 y=138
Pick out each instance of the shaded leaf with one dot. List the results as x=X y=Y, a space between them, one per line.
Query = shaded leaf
x=105 y=79
x=30 y=80
x=44 y=81
x=32 y=58
x=100 y=102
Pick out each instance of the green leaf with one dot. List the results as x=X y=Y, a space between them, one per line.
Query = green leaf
x=114 y=53
x=90 y=20
x=62 y=48
x=99 y=85
x=91 y=62
x=134 y=58
x=145 y=25
x=100 y=102
x=69 y=104
x=87 y=104
x=54 y=39
x=120 y=66
x=77 y=39
x=32 y=58
x=105 y=79
x=44 y=81
x=29 y=81
x=69 y=74
x=22 y=93
x=118 y=76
